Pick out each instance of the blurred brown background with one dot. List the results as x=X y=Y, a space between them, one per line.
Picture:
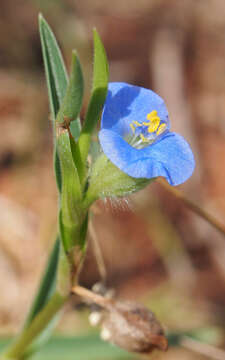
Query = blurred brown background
x=155 y=249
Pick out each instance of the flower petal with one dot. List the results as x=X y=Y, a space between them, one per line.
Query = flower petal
x=170 y=157
x=125 y=103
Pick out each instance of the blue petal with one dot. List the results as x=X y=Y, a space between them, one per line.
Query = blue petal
x=125 y=103
x=170 y=157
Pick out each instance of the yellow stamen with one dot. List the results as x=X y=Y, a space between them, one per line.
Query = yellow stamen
x=154 y=121
x=152 y=114
x=153 y=126
x=132 y=127
x=136 y=123
x=161 y=128
x=155 y=118
x=143 y=138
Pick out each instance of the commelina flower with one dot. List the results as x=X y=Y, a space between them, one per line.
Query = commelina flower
x=135 y=135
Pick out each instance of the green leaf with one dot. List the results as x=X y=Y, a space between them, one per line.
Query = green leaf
x=75 y=153
x=71 y=216
x=45 y=307
x=98 y=96
x=47 y=285
x=57 y=170
x=56 y=78
x=75 y=128
x=72 y=102
x=100 y=85
x=101 y=67
x=95 y=150
x=55 y=70
x=34 y=335
x=46 y=289
x=71 y=106
x=71 y=186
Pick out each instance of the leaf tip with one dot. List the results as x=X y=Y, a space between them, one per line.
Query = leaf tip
x=74 y=53
x=42 y=22
x=40 y=17
x=96 y=35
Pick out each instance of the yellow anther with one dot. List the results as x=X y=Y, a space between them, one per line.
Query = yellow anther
x=161 y=128
x=153 y=126
x=132 y=127
x=155 y=118
x=152 y=114
x=143 y=138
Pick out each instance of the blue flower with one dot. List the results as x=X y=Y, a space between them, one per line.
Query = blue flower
x=135 y=135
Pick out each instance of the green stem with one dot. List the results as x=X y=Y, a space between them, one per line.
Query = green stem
x=17 y=349
x=35 y=325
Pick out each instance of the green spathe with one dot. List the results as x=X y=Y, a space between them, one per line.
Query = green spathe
x=107 y=180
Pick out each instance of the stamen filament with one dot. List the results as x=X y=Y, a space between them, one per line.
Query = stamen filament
x=150 y=129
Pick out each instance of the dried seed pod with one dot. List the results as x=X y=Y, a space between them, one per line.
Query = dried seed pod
x=133 y=327
x=126 y=324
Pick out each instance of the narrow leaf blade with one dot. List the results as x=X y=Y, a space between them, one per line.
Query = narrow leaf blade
x=99 y=92
x=47 y=284
x=75 y=128
x=55 y=70
x=101 y=67
x=100 y=84
x=46 y=289
x=69 y=111
x=71 y=194
x=74 y=93
x=56 y=77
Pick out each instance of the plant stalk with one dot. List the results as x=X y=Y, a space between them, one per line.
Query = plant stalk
x=18 y=347
x=193 y=206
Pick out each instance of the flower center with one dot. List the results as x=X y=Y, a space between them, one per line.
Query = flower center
x=145 y=133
